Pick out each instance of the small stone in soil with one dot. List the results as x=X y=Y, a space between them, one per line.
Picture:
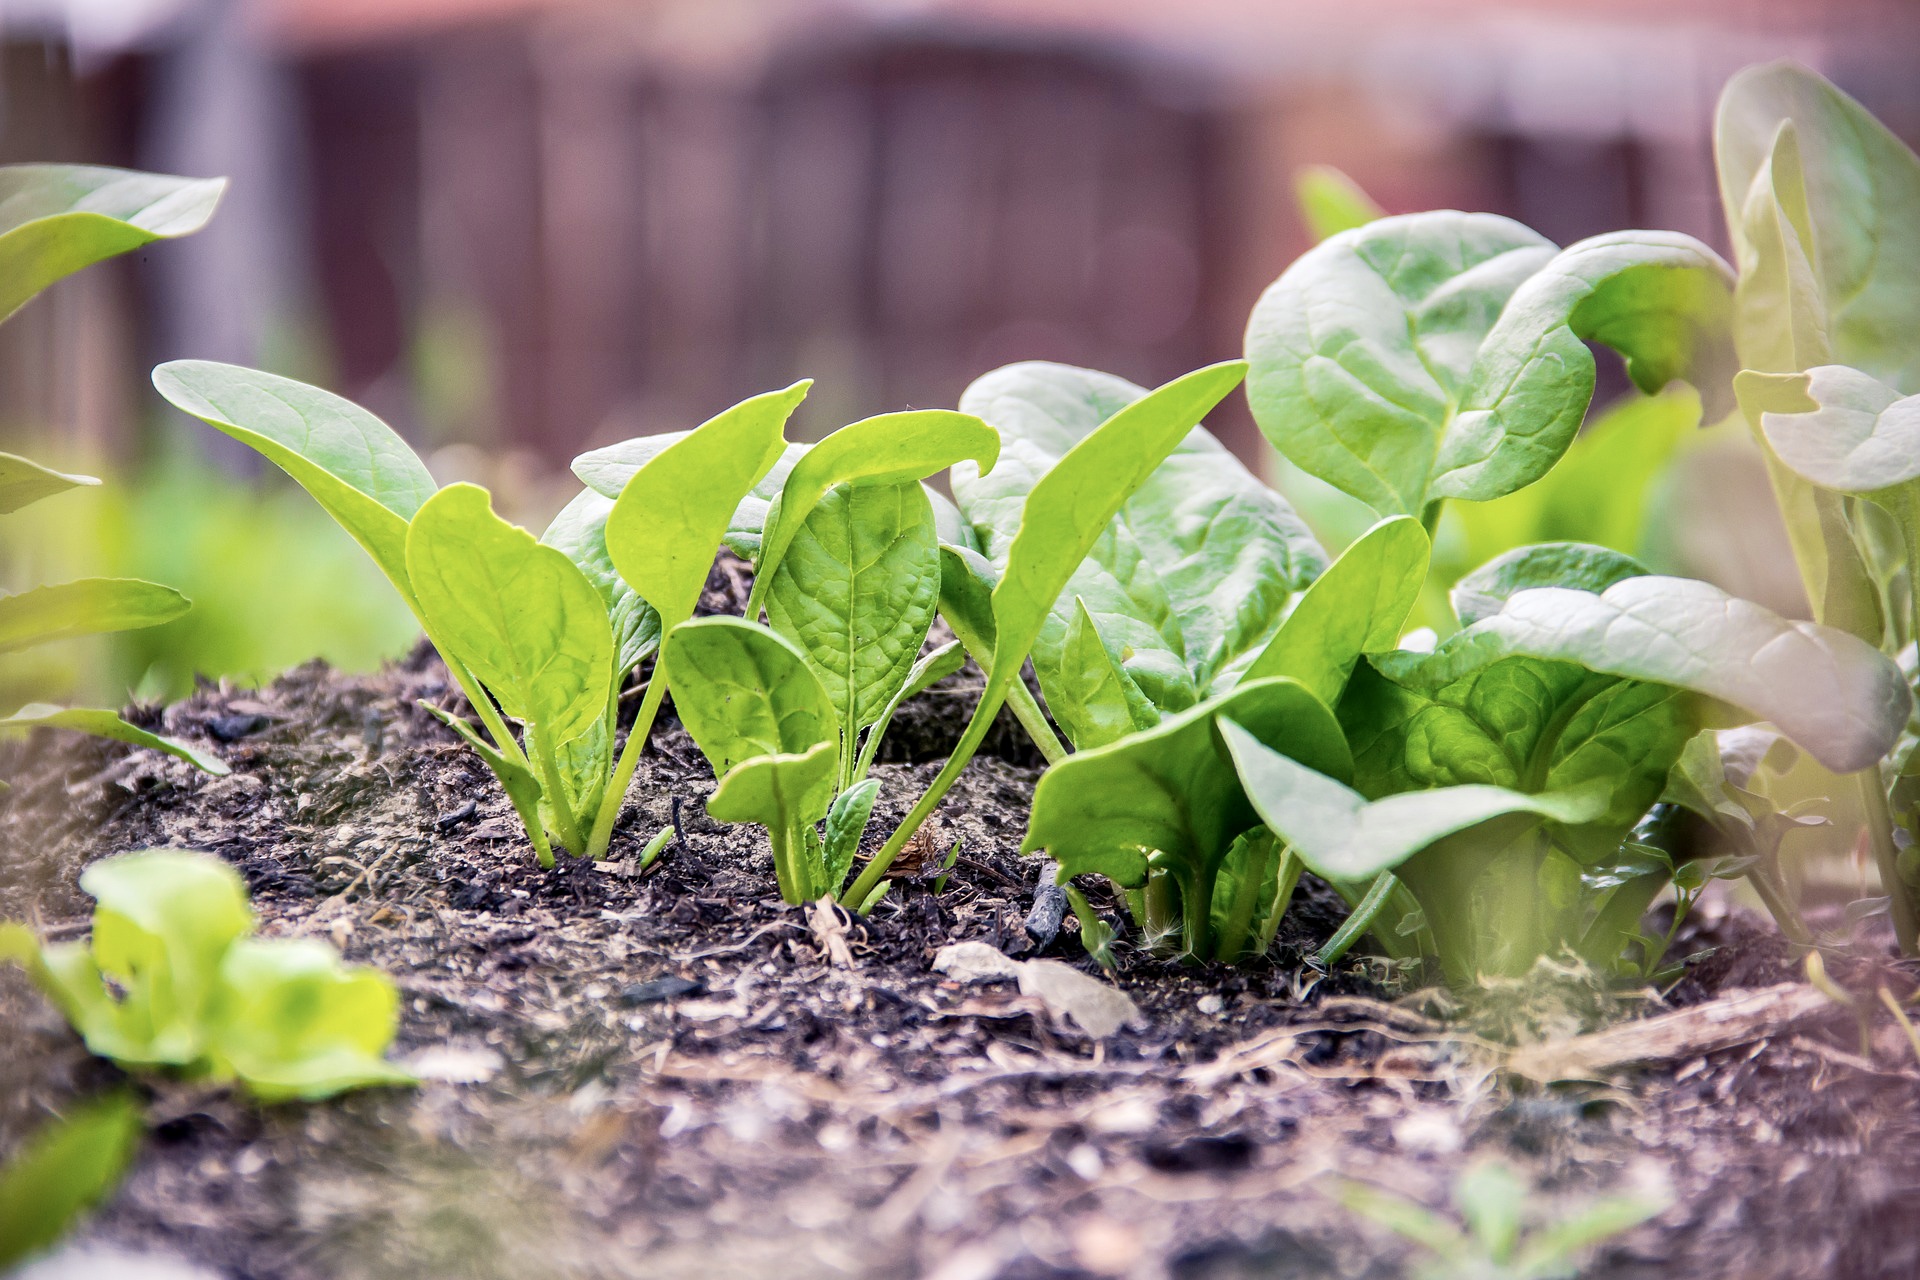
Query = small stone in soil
x=658 y=989
x=448 y=821
x=1049 y=908
x=232 y=728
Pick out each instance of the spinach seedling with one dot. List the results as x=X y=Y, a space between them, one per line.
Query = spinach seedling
x=55 y=220
x=65 y=1169
x=172 y=978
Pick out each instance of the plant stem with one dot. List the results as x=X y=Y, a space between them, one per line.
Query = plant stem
x=970 y=740
x=1359 y=922
x=1196 y=904
x=629 y=761
x=1887 y=858
x=1034 y=721
x=556 y=788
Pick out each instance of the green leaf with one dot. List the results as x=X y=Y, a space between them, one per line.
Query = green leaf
x=889 y=450
x=1194 y=570
x=85 y=607
x=1780 y=316
x=1861 y=193
x=1343 y=836
x=1443 y=354
x=1362 y=350
x=580 y=533
x=744 y=691
x=1661 y=299
x=292 y=1021
x=667 y=521
x=66 y=1168
x=933 y=667
x=1171 y=790
x=521 y=615
x=1856 y=434
x=786 y=794
x=1834 y=695
x=1357 y=606
x=57 y=218
x=352 y=463
x=108 y=724
x=1491 y=1197
x=846 y=823
x=165 y=918
x=1331 y=202
x=1093 y=697
x=606 y=471
x=967 y=580
x=857 y=590
x=1583 y=567
x=24 y=481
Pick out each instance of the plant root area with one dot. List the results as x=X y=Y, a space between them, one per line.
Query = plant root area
x=670 y=1073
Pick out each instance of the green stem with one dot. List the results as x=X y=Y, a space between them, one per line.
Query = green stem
x=1196 y=904
x=786 y=870
x=1887 y=858
x=556 y=787
x=1359 y=922
x=970 y=740
x=503 y=738
x=1289 y=881
x=629 y=761
x=1034 y=721
x=1430 y=516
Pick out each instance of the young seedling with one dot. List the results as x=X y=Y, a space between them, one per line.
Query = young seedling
x=66 y=1168
x=55 y=220
x=172 y=978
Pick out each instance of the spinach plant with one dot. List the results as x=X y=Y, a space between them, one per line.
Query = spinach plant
x=172 y=978
x=540 y=632
x=1823 y=206
x=55 y=220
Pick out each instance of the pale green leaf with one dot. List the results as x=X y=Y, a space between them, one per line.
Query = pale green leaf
x=1342 y=835
x=1579 y=565
x=352 y=463
x=606 y=471
x=108 y=724
x=68 y=1166
x=580 y=532
x=85 y=607
x=24 y=481
x=292 y=1021
x=1331 y=202
x=1861 y=436
x=1093 y=697
x=57 y=218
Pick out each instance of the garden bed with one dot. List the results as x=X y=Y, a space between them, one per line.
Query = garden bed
x=670 y=1073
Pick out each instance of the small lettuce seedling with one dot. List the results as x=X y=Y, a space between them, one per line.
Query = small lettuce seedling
x=55 y=220
x=172 y=978
x=65 y=1169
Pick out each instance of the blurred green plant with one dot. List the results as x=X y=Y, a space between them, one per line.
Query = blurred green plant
x=65 y=1169
x=1489 y=1237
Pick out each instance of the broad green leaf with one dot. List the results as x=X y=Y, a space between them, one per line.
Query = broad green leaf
x=85 y=607
x=786 y=794
x=57 y=218
x=934 y=666
x=1579 y=565
x=1093 y=697
x=292 y=1021
x=846 y=823
x=108 y=724
x=521 y=615
x=1780 y=318
x=1357 y=606
x=668 y=520
x=1363 y=349
x=24 y=481
x=1835 y=696
x=1247 y=896
x=1331 y=202
x=967 y=580
x=1443 y=354
x=580 y=533
x=1198 y=559
x=165 y=918
x=606 y=471
x=889 y=450
x=1342 y=835
x=744 y=691
x=1862 y=199
x=352 y=463
x=857 y=589
x=1171 y=790
x=1661 y=299
x=65 y=1168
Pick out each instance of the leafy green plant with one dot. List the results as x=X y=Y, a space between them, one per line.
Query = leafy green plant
x=1491 y=1239
x=1820 y=201
x=172 y=978
x=65 y=1169
x=54 y=220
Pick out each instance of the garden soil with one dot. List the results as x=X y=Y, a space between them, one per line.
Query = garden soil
x=669 y=1073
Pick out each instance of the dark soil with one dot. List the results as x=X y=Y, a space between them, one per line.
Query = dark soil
x=669 y=1077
